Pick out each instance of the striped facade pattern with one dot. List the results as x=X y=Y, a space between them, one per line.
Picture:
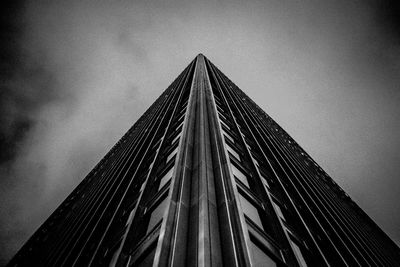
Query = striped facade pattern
x=207 y=178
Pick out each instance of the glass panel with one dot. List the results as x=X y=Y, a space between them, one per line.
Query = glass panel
x=251 y=211
x=233 y=152
x=181 y=116
x=279 y=211
x=222 y=116
x=224 y=124
x=227 y=136
x=147 y=259
x=165 y=178
x=142 y=187
x=260 y=259
x=176 y=138
x=172 y=154
x=180 y=125
x=297 y=252
x=156 y=215
x=238 y=174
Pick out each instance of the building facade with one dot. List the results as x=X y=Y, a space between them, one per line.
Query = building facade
x=206 y=178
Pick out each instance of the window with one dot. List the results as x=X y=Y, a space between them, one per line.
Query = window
x=297 y=252
x=233 y=152
x=251 y=211
x=156 y=215
x=184 y=105
x=222 y=116
x=224 y=124
x=156 y=144
x=176 y=138
x=260 y=258
x=165 y=178
x=217 y=100
x=180 y=119
x=220 y=110
x=172 y=154
x=182 y=111
x=179 y=126
x=227 y=136
x=239 y=175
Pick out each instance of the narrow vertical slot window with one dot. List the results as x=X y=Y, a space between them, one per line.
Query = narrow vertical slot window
x=165 y=178
x=156 y=215
x=233 y=152
x=251 y=211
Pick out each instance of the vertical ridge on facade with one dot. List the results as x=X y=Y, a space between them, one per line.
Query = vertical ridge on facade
x=206 y=178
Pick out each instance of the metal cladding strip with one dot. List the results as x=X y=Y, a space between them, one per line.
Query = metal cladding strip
x=243 y=222
x=325 y=209
x=209 y=243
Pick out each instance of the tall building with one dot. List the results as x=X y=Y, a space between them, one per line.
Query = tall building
x=206 y=178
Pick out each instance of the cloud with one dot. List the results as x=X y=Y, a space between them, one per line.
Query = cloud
x=80 y=73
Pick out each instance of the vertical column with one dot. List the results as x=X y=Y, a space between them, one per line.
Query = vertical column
x=203 y=204
x=191 y=234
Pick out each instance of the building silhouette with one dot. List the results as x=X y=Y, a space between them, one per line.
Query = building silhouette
x=206 y=178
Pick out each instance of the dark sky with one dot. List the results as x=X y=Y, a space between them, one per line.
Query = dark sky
x=75 y=75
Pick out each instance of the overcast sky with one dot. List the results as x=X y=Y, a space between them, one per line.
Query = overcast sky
x=75 y=75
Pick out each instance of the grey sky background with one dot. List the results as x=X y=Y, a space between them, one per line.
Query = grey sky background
x=82 y=72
